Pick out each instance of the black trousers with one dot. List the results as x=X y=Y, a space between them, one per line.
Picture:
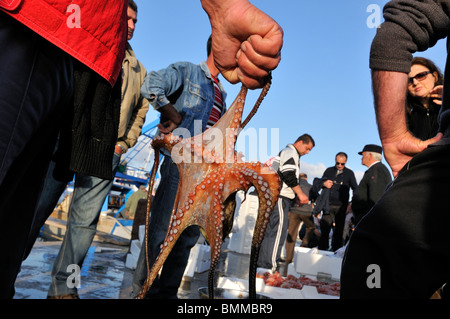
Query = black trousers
x=400 y=249
x=36 y=83
x=336 y=216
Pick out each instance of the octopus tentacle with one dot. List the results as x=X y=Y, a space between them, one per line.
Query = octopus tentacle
x=210 y=174
x=265 y=186
x=259 y=101
x=147 y=218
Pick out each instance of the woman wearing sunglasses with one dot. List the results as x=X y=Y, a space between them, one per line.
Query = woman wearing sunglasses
x=424 y=98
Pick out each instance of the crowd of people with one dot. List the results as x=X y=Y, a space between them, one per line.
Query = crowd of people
x=327 y=213
x=73 y=101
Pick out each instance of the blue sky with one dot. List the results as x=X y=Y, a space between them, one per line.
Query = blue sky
x=321 y=87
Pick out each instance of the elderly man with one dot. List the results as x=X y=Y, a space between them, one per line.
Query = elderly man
x=373 y=183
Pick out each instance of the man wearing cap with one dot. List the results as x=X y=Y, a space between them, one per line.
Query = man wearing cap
x=374 y=182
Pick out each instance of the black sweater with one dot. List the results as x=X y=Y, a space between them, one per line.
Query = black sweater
x=89 y=131
x=422 y=122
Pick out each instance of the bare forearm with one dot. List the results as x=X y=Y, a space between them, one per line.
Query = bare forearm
x=301 y=196
x=216 y=8
x=399 y=146
x=389 y=90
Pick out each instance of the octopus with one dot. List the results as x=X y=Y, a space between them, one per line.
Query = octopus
x=211 y=173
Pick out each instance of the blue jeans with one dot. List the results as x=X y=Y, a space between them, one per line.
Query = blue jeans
x=87 y=200
x=166 y=285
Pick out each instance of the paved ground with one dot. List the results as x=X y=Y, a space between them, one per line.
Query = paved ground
x=104 y=275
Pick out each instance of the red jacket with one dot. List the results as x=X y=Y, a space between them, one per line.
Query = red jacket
x=92 y=31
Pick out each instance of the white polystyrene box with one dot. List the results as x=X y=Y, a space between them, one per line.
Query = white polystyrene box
x=282 y=293
x=202 y=265
x=310 y=292
x=135 y=247
x=192 y=262
x=244 y=223
x=141 y=234
x=312 y=261
x=131 y=261
x=204 y=253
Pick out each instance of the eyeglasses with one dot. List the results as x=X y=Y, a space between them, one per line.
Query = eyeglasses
x=337 y=163
x=419 y=77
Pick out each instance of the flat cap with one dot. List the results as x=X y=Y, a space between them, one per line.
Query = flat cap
x=372 y=148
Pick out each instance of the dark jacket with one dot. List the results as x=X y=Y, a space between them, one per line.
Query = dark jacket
x=372 y=186
x=339 y=193
x=322 y=200
x=422 y=122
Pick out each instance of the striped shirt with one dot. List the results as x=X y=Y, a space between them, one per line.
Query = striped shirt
x=218 y=105
x=287 y=164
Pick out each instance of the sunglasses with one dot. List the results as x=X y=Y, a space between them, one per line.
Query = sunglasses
x=337 y=163
x=419 y=77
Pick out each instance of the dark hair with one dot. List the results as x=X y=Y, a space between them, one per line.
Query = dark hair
x=132 y=5
x=411 y=100
x=342 y=154
x=306 y=139
x=208 y=45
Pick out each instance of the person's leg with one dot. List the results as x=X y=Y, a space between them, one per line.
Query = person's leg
x=339 y=223
x=326 y=223
x=294 y=225
x=399 y=249
x=161 y=210
x=88 y=197
x=51 y=192
x=175 y=265
x=36 y=84
x=275 y=236
x=309 y=225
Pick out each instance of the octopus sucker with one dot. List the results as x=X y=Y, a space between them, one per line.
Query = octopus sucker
x=206 y=190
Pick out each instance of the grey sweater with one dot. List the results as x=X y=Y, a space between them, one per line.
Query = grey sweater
x=412 y=26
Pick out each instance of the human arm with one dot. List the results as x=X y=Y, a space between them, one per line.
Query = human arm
x=246 y=42
x=327 y=178
x=301 y=196
x=173 y=118
x=377 y=183
x=436 y=94
x=409 y=26
x=399 y=145
x=134 y=125
x=158 y=86
x=353 y=183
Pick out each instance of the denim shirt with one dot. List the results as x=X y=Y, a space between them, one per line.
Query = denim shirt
x=189 y=87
